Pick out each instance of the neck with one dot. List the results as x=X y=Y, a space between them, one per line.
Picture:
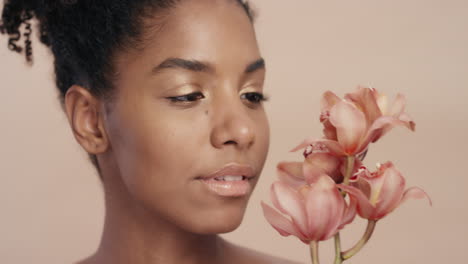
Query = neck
x=132 y=234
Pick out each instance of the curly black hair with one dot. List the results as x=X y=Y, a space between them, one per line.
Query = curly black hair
x=83 y=36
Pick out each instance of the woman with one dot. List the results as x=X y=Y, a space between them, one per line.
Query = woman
x=166 y=97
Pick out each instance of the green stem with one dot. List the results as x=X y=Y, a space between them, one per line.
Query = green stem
x=347 y=176
x=338 y=258
x=314 y=252
x=349 y=169
x=360 y=244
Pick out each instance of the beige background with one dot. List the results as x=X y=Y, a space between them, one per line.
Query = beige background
x=50 y=198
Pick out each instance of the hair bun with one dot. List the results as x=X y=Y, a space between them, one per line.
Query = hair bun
x=15 y=13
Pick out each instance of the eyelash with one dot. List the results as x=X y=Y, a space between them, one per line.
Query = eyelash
x=252 y=97
x=187 y=98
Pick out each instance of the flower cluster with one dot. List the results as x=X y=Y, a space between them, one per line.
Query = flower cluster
x=315 y=198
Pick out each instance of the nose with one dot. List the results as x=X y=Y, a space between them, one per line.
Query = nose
x=233 y=127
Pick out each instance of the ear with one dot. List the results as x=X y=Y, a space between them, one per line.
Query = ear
x=86 y=119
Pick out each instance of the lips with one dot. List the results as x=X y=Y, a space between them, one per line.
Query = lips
x=230 y=181
x=231 y=169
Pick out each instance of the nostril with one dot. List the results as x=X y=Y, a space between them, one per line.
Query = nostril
x=230 y=142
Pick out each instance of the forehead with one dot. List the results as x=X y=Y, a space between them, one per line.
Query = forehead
x=216 y=31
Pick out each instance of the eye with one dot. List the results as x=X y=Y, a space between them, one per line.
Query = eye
x=192 y=97
x=254 y=97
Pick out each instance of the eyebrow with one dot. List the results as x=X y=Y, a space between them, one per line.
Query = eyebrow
x=191 y=65
x=198 y=66
x=256 y=65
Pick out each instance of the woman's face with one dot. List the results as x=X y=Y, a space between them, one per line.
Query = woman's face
x=189 y=105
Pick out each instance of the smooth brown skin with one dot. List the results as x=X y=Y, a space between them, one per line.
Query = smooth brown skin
x=151 y=149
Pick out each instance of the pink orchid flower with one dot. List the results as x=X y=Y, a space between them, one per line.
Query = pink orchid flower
x=379 y=193
x=376 y=105
x=315 y=164
x=363 y=117
x=314 y=212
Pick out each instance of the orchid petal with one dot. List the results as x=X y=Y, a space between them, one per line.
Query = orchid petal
x=329 y=99
x=333 y=146
x=408 y=121
x=362 y=182
x=378 y=129
x=288 y=202
x=415 y=193
x=283 y=225
x=349 y=214
x=324 y=206
x=329 y=131
x=390 y=193
x=364 y=207
x=371 y=184
x=350 y=125
x=366 y=102
x=311 y=172
x=291 y=173
x=321 y=163
x=398 y=106
x=382 y=102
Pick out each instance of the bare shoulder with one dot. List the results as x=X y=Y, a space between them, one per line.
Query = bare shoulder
x=246 y=255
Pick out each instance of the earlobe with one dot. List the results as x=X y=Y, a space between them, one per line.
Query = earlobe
x=85 y=119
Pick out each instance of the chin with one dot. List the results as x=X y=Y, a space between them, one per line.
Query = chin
x=219 y=222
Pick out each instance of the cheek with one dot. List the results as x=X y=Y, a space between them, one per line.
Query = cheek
x=262 y=135
x=157 y=151
x=154 y=151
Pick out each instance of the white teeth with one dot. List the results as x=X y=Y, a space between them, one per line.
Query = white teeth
x=230 y=178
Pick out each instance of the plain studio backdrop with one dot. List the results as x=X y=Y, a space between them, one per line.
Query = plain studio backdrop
x=51 y=200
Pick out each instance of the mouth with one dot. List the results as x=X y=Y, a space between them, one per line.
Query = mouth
x=233 y=180
x=230 y=178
